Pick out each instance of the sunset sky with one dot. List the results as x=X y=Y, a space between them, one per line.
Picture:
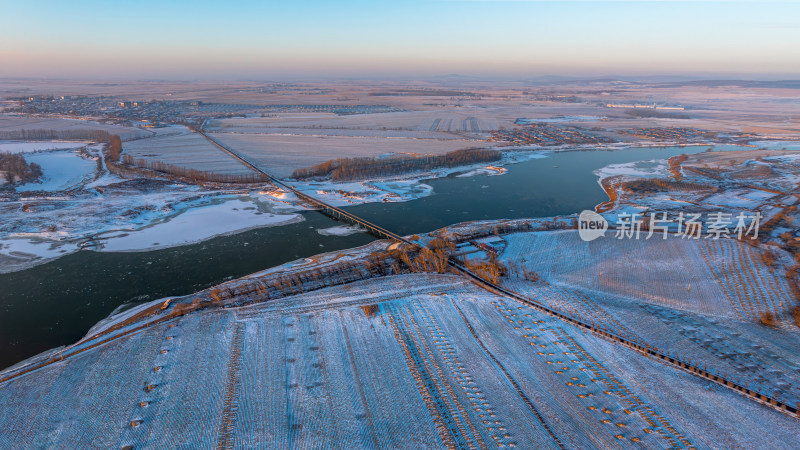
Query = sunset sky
x=308 y=39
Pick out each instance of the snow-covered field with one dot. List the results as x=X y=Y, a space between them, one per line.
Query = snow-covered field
x=26 y=147
x=315 y=366
x=342 y=132
x=700 y=300
x=15 y=123
x=723 y=278
x=411 y=361
x=187 y=149
x=443 y=120
x=281 y=154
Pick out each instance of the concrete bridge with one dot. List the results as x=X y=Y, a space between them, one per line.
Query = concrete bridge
x=325 y=208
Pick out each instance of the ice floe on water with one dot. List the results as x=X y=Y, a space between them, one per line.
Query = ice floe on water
x=645 y=169
x=356 y=193
x=195 y=225
x=32 y=248
x=340 y=230
x=488 y=170
x=124 y=221
x=404 y=190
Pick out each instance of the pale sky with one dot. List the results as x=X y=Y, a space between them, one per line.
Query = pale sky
x=295 y=39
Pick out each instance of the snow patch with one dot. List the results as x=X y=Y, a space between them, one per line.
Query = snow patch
x=28 y=147
x=197 y=224
x=27 y=251
x=644 y=169
x=488 y=170
x=341 y=230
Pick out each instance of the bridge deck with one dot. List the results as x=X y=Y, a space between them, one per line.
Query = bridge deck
x=327 y=209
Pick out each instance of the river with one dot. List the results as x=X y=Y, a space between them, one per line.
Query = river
x=56 y=303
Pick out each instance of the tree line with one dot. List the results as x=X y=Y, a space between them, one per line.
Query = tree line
x=46 y=133
x=433 y=258
x=114 y=148
x=191 y=174
x=128 y=166
x=366 y=167
x=16 y=168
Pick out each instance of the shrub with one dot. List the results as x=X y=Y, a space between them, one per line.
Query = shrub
x=769 y=258
x=191 y=174
x=16 y=168
x=114 y=148
x=767 y=319
x=41 y=134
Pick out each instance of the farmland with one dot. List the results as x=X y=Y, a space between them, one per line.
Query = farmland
x=188 y=150
x=288 y=127
x=671 y=301
x=405 y=361
x=13 y=124
x=435 y=123
x=283 y=154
